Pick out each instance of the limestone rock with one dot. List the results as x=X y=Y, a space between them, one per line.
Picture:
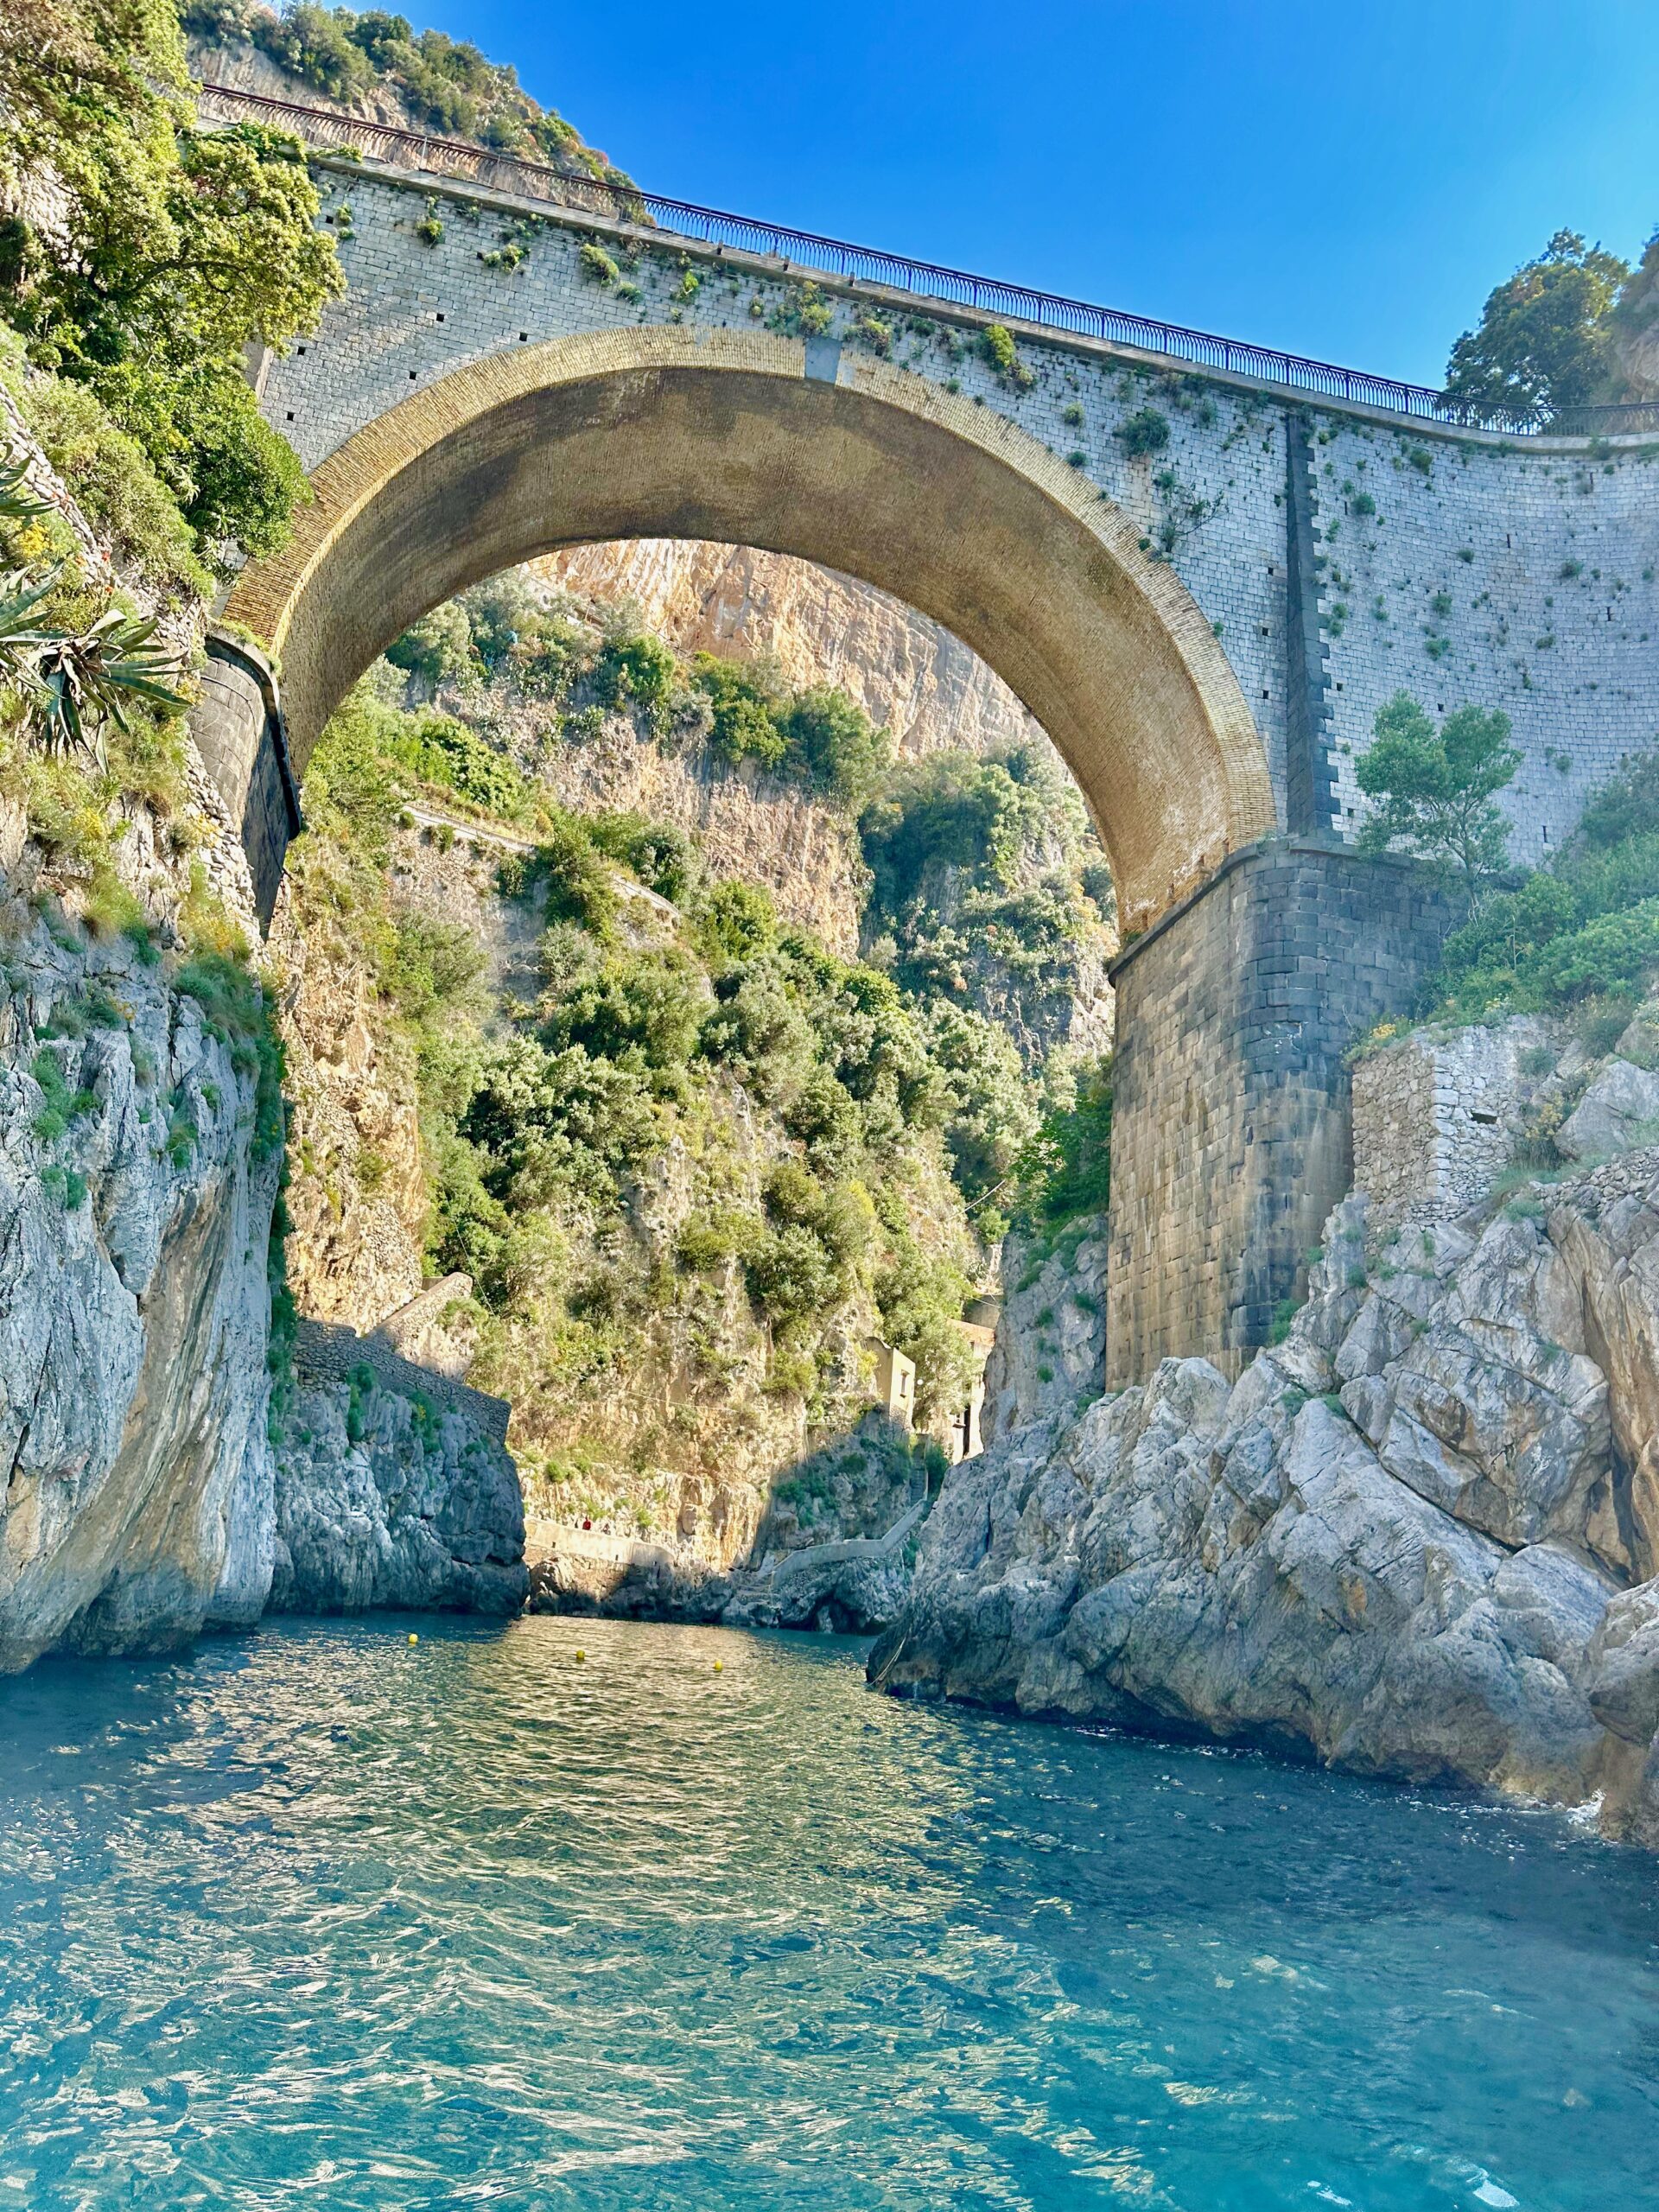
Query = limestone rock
x=1121 y=1575
x=1050 y=1335
x=134 y=1308
x=908 y=674
x=1420 y=1576
x=383 y=1500
x=1619 y=1109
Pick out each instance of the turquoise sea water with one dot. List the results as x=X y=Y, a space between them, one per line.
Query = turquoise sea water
x=323 y=1920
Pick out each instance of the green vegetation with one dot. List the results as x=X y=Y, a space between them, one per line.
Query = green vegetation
x=997 y=346
x=1435 y=788
x=535 y=1134
x=1546 y=334
x=445 y=84
x=169 y=251
x=1144 y=433
x=1067 y=1172
x=1580 y=935
x=815 y=737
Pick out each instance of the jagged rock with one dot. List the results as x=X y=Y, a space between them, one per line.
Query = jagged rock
x=1619 y=1109
x=1119 y=1573
x=1607 y=1230
x=1050 y=1351
x=387 y=1501
x=1419 y=1578
x=134 y=1309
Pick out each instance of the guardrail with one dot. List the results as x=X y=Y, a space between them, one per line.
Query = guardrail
x=326 y=129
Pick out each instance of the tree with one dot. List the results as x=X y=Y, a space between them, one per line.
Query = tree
x=1544 y=334
x=1435 y=788
x=169 y=251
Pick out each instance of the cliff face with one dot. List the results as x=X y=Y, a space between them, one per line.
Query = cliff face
x=909 y=674
x=385 y=1499
x=748 y=825
x=1415 y=1538
x=134 y=1307
x=1050 y=1353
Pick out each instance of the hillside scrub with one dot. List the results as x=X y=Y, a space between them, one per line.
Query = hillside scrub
x=585 y=667
x=445 y=84
x=541 y=1123
x=1579 y=936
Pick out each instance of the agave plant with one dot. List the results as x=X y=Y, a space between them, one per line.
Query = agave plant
x=73 y=681
x=80 y=679
x=17 y=502
x=21 y=640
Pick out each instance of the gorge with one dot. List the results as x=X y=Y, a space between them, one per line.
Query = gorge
x=828 y=1198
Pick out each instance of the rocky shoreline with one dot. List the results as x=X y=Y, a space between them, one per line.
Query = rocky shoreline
x=1416 y=1539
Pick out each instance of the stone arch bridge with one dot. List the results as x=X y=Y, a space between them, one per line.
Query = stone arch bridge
x=1204 y=579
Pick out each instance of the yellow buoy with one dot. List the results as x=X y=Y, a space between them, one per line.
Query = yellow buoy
x=413 y=1637
x=719 y=1666
x=582 y=1654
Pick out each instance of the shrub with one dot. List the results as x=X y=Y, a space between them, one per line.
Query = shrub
x=745 y=703
x=1144 y=432
x=115 y=485
x=736 y=921
x=597 y=265
x=836 y=747
x=996 y=345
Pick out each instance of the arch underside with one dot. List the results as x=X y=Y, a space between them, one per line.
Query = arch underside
x=655 y=433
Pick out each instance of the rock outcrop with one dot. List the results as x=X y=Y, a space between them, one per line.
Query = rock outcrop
x=387 y=1499
x=134 y=1306
x=908 y=674
x=1397 y=1543
x=1050 y=1353
x=831 y=1544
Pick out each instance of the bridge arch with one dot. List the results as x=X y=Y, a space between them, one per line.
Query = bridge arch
x=751 y=438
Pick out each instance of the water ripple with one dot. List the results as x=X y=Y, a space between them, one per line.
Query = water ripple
x=326 y=1920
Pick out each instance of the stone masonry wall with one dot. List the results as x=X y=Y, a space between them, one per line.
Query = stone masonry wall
x=1453 y=565
x=328 y=1351
x=1230 y=1118
x=1436 y=1117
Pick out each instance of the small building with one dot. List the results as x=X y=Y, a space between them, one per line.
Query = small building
x=895 y=1383
x=980 y=1332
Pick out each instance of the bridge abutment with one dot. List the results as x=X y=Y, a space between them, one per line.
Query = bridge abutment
x=1231 y=1133
x=237 y=724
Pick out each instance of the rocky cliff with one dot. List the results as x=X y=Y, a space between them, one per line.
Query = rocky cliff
x=1415 y=1538
x=138 y=1166
x=909 y=674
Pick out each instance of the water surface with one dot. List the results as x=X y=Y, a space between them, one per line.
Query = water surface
x=324 y=1920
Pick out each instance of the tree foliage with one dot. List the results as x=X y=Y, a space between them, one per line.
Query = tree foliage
x=1543 y=338
x=1582 y=932
x=169 y=251
x=1434 y=788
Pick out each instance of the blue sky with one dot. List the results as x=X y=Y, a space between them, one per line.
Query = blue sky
x=1346 y=180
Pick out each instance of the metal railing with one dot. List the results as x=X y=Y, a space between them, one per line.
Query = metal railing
x=326 y=129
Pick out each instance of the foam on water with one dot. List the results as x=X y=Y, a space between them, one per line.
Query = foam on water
x=328 y=1919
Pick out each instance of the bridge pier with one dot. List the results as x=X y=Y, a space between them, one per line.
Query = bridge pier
x=238 y=727
x=1230 y=1132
